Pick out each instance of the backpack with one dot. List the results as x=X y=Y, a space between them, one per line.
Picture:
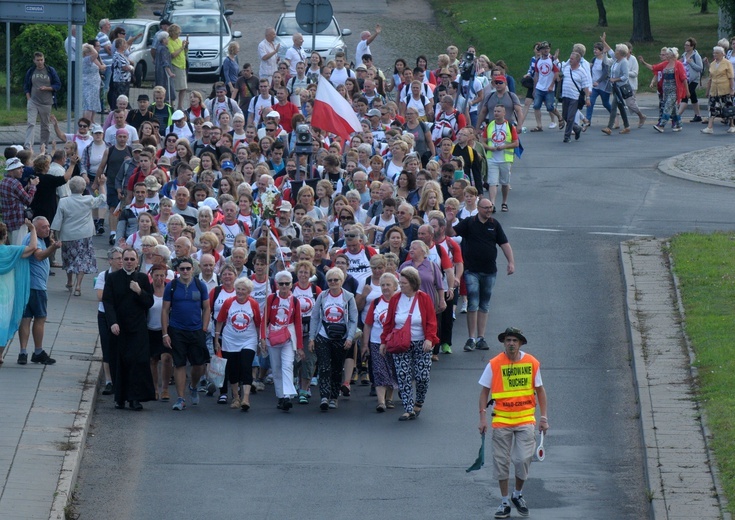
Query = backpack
x=447 y=121
x=409 y=97
x=170 y=129
x=175 y=283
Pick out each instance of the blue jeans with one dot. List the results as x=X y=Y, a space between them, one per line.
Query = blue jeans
x=593 y=97
x=543 y=97
x=479 y=290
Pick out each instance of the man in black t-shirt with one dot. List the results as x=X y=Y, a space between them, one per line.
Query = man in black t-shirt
x=485 y=234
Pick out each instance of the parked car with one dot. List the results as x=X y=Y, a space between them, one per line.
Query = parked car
x=202 y=27
x=173 y=5
x=140 y=50
x=328 y=42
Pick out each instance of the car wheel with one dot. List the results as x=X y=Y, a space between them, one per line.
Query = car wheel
x=139 y=74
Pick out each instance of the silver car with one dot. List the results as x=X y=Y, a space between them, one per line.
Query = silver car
x=328 y=42
x=140 y=49
x=202 y=28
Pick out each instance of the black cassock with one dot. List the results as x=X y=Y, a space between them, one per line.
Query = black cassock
x=129 y=352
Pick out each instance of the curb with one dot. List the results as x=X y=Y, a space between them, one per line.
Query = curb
x=658 y=458
x=63 y=496
x=668 y=167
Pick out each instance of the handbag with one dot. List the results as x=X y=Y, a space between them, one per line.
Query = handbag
x=527 y=82
x=727 y=111
x=280 y=334
x=399 y=340
x=626 y=90
x=335 y=330
x=582 y=94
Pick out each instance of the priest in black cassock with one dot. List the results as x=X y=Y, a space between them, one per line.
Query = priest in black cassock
x=127 y=297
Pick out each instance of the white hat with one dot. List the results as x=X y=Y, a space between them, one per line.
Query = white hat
x=285 y=206
x=13 y=164
x=210 y=202
x=273 y=113
x=177 y=115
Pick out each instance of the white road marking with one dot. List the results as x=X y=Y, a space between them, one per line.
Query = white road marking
x=538 y=229
x=618 y=234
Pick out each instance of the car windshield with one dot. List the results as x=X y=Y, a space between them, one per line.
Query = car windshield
x=172 y=5
x=200 y=24
x=289 y=27
x=131 y=30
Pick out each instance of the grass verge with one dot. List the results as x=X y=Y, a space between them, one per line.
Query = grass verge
x=508 y=29
x=705 y=265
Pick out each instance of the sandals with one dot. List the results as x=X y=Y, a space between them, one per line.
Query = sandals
x=561 y=127
x=417 y=409
x=380 y=408
x=389 y=404
x=407 y=416
x=504 y=208
x=69 y=286
x=77 y=292
x=537 y=129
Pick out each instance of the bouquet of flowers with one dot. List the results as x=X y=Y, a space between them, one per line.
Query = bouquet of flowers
x=269 y=202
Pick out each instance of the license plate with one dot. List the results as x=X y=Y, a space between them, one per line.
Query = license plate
x=201 y=65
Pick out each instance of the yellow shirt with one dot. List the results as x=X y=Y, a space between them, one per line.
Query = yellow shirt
x=721 y=75
x=173 y=46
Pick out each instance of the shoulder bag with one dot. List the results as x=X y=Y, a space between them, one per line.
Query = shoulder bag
x=399 y=340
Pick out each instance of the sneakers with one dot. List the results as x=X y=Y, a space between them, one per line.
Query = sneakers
x=520 y=505
x=268 y=380
x=503 y=511
x=577 y=132
x=660 y=128
x=324 y=404
x=112 y=238
x=677 y=128
x=567 y=140
x=42 y=358
x=101 y=227
x=107 y=390
x=696 y=119
x=463 y=306
x=194 y=396
x=286 y=404
x=179 y=405
x=302 y=397
x=469 y=346
x=22 y=359
x=731 y=130
x=332 y=404
x=482 y=344
x=259 y=385
x=345 y=389
x=314 y=381
x=202 y=386
x=707 y=130
x=211 y=389
x=552 y=125
x=445 y=348
x=222 y=399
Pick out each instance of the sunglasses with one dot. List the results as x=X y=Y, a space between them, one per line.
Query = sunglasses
x=333 y=280
x=184 y=268
x=82 y=125
x=499 y=82
x=284 y=284
x=350 y=235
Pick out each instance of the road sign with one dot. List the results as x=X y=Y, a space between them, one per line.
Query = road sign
x=45 y=11
x=313 y=16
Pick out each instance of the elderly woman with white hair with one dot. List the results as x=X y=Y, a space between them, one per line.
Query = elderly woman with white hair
x=721 y=88
x=618 y=77
x=332 y=332
x=74 y=226
x=121 y=103
x=236 y=337
x=674 y=87
x=281 y=336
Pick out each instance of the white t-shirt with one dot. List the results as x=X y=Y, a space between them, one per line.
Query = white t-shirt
x=99 y=285
x=334 y=311
x=417 y=325
x=362 y=49
x=545 y=69
x=359 y=267
x=154 y=313
x=306 y=299
x=239 y=332
x=339 y=76
x=377 y=320
x=487 y=376
x=110 y=135
x=261 y=290
x=375 y=292
x=257 y=103
x=231 y=231
x=294 y=56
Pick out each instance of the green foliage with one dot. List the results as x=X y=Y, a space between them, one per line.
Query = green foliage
x=704 y=265
x=48 y=39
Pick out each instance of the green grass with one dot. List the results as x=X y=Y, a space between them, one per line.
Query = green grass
x=508 y=29
x=17 y=113
x=705 y=265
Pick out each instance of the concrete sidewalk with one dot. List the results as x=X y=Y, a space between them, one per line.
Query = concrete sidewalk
x=683 y=480
x=45 y=409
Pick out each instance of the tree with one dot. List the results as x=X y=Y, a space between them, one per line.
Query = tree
x=702 y=4
x=601 y=14
x=641 y=22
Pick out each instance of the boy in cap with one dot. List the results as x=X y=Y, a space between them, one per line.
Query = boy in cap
x=511 y=383
x=144 y=112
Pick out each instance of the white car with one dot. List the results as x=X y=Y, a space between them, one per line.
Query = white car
x=328 y=42
x=202 y=28
x=140 y=50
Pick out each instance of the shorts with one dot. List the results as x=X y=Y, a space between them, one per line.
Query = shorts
x=692 y=98
x=543 y=97
x=155 y=344
x=498 y=173
x=529 y=93
x=112 y=199
x=479 y=290
x=37 y=303
x=308 y=364
x=188 y=345
x=516 y=444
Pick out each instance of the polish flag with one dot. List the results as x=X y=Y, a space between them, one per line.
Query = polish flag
x=332 y=112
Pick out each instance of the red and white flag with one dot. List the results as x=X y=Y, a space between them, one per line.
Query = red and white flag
x=332 y=112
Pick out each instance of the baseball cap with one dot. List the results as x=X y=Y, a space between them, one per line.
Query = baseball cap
x=151 y=183
x=208 y=124
x=273 y=113
x=361 y=67
x=210 y=202
x=137 y=147
x=285 y=206
x=143 y=97
x=373 y=112
x=227 y=165
x=178 y=115
x=97 y=129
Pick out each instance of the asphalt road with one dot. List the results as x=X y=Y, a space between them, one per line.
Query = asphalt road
x=571 y=205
